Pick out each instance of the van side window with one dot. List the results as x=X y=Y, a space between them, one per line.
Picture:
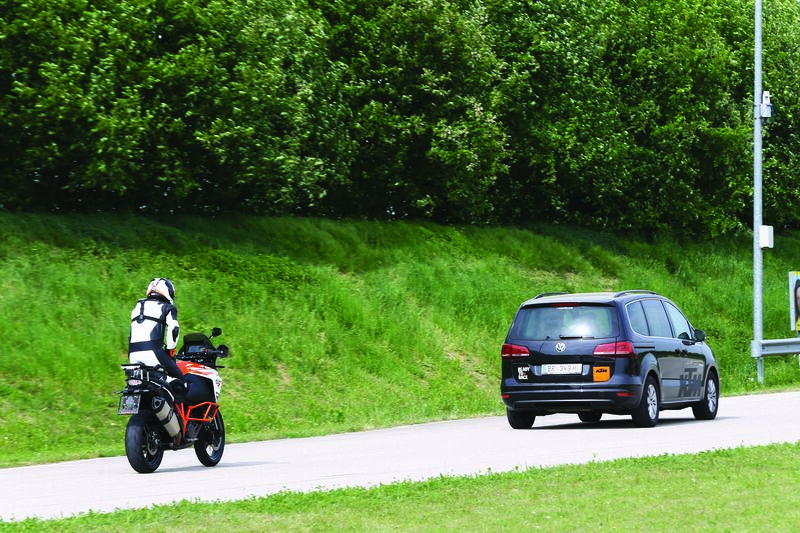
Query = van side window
x=679 y=323
x=656 y=318
x=638 y=321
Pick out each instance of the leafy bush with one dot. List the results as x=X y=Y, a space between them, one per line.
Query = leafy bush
x=612 y=114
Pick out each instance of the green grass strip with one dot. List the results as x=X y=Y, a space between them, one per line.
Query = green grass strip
x=743 y=489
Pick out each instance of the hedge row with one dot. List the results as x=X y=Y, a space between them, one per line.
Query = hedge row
x=611 y=113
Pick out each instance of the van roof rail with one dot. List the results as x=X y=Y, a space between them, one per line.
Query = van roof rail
x=543 y=294
x=634 y=291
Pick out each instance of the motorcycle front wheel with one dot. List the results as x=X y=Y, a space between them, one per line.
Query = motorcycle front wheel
x=143 y=443
x=211 y=442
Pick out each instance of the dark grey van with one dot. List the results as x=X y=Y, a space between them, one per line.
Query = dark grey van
x=630 y=352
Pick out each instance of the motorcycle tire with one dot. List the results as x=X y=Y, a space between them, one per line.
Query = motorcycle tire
x=142 y=443
x=210 y=443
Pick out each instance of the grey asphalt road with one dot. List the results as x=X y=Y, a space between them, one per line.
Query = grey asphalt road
x=460 y=447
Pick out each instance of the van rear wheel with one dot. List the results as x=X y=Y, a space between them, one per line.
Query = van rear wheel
x=646 y=414
x=590 y=416
x=520 y=419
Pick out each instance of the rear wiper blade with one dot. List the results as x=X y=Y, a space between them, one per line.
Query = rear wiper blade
x=563 y=337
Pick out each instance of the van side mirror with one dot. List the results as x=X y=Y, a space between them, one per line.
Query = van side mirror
x=699 y=335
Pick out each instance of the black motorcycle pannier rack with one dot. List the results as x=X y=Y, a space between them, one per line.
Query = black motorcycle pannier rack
x=140 y=371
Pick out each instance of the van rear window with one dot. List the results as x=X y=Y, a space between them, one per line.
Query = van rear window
x=563 y=322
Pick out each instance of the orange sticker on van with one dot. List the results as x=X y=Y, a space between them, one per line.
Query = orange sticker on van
x=601 y=373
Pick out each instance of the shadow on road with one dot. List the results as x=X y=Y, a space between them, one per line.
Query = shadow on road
x=221 y=466
x=620 y=423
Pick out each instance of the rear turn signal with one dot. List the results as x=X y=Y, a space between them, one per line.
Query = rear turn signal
x=615 y=349
x=513 y=350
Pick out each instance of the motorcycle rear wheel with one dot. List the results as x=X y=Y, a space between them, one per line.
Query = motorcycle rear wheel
x=210 y=443
x=143 y=443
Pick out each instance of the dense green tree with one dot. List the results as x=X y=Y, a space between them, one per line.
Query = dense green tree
x=614 y=113
x=58 y=98
x=558 y=108
x=683 y=106
x=165 y=105
x=781 y=78
x=420 y=88
x=623 y=115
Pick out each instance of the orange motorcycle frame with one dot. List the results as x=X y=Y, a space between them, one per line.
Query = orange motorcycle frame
x=202 y=412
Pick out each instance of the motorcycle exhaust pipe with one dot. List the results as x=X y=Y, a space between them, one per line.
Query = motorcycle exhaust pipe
x=166 y=416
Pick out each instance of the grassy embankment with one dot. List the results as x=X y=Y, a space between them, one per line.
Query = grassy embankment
x=333 y=326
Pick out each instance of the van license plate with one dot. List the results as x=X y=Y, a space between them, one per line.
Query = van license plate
x=129 y=404
x=572 y=368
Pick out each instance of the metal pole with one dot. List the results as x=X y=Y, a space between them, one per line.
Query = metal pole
x=758 y=326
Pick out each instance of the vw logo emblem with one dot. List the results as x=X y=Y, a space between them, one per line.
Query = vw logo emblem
x=560 y=347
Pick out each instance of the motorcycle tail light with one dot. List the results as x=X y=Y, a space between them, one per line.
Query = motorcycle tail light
x=134 y=382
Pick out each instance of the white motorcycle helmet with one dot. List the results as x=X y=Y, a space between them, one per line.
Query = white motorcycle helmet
x=161 y=287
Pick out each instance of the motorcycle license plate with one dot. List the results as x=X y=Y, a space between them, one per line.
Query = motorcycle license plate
x=129 y=404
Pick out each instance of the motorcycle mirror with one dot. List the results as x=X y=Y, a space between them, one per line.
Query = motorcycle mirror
x=216 y=332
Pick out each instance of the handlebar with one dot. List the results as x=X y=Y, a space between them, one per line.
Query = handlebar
x=205 y=356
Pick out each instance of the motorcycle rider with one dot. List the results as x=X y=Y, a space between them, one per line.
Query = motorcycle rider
x=154 y=337
x=155 y=329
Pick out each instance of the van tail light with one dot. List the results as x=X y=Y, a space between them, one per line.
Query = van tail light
x=615 y=349
x=514 y=350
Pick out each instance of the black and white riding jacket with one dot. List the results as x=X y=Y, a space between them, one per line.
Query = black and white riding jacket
x=154 y=327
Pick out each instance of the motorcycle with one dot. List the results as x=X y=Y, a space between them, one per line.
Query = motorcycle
x=162 y=418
